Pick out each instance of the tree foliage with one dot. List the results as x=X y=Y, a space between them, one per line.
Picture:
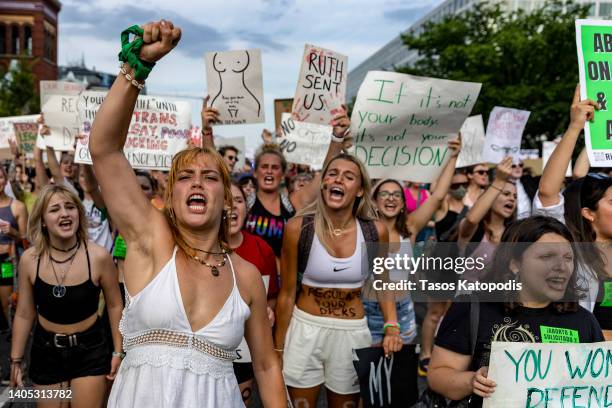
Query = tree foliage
x=18 y=95
x=524 y=60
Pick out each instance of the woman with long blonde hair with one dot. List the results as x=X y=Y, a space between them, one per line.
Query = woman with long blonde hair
x=60 y=280
x=324 y=258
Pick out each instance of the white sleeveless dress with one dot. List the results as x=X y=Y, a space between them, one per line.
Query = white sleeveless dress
x=167 y=365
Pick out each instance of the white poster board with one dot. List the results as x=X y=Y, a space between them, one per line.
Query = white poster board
x=242 y=352
x=159 y=129
x=304 y=143
x=235 y=85
x=534 y=375
x=7 y=131
x=402 y=123
x=321 y=86
x=547 y=149
x=472 y=142
x=58 y=103
x=504 y=134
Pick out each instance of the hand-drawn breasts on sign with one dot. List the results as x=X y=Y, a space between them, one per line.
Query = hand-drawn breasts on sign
x=231 y=69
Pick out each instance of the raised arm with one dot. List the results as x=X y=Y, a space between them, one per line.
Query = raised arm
x=127 y=204
x=91 y=187
x=417 y=219
x=554 y=172
x=308 y=194
x=468 y=226
x=582 y=165
x=210 y=116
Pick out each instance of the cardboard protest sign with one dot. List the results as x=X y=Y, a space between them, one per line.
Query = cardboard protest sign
x=238 y=142
x=402 y=123
x=321 y=86
x=547 y=149
x=594 y=44
x=281 y=106
x=7 y=130
x=26 y=135
x=58 y=102
x=387 y=382
x=504 y=134
x=158 y=130
x=235 y=85
x=529 y=154
x=304 y=143
x=551 y=375
x=472 y=141
x=243 y=354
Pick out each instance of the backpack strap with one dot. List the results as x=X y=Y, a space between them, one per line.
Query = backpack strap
x=304 y=246
x=370 y=236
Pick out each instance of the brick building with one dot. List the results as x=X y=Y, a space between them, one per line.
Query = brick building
x=28 y=29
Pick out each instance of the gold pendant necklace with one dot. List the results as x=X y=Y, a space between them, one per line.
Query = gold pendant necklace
x=214 y=269
x=339 y=231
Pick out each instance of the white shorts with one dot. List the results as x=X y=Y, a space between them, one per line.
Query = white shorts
x=319 y=350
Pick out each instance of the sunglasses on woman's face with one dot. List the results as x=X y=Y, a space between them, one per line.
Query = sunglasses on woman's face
x=481 y=172
x=232 y=158
x=455 y=186
x=514 y=166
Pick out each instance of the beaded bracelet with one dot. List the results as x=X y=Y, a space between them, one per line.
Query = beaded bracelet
x=130 y=79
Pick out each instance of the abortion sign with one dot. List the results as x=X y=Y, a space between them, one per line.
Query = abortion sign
x=504 y=134
x=58 y=102
x=304 y=143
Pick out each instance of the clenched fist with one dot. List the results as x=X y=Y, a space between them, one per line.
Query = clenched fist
x=159 y=39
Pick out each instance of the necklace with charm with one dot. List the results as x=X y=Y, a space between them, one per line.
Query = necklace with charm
x=339 y=231
x=59 y=290
x=214 y=269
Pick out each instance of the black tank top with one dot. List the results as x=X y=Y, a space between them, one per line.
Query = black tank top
x=80 y=301
x=448 y=222
x=603 y=306
x=268 y=226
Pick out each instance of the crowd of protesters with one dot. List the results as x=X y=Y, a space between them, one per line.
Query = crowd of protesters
x=136 y=287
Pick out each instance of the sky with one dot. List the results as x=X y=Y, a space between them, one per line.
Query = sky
x=279 y=28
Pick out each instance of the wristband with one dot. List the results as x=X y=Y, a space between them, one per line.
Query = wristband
x=336 y=139
x=120 y=354
x=130 y=53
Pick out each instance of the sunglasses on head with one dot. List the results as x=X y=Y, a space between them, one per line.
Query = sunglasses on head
x=598 y=176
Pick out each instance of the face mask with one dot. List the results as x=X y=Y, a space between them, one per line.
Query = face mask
x=458 y=193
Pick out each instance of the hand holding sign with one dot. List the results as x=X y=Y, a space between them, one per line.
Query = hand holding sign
x=481 y=385
x=341 y=122
x=455 y=146
x=581 y=111
x=159 y=39
x=503 y=171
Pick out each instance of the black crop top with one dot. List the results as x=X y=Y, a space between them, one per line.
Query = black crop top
x=80 y=301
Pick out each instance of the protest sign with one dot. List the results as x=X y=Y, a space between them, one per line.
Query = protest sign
x=594 y=44
x=387 y=382
x=556 y=374
x=26 y=135
x=472 y=141
x=158 y=130
x=402 y=123
x=304 y=143
x=281 y=106
x=58 y=102
x=238 y=142
x=547 y=149
x=235 y=85
x=7 y=130
x=504 y=133
x=321 y=86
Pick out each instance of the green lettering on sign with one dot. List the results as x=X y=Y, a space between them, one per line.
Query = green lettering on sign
x=6 y=270
x=558 y=335
x=607 y=297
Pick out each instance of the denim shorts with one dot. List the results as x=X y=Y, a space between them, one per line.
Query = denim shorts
x=52 y=365
x=405 y=317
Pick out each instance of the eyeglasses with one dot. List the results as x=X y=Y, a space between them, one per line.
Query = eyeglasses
x=514 y=166
x=386 y=194
x=232 y=158
x=481 y=172
x=455 y=186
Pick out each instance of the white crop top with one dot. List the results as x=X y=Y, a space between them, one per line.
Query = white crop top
x=326 y=271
